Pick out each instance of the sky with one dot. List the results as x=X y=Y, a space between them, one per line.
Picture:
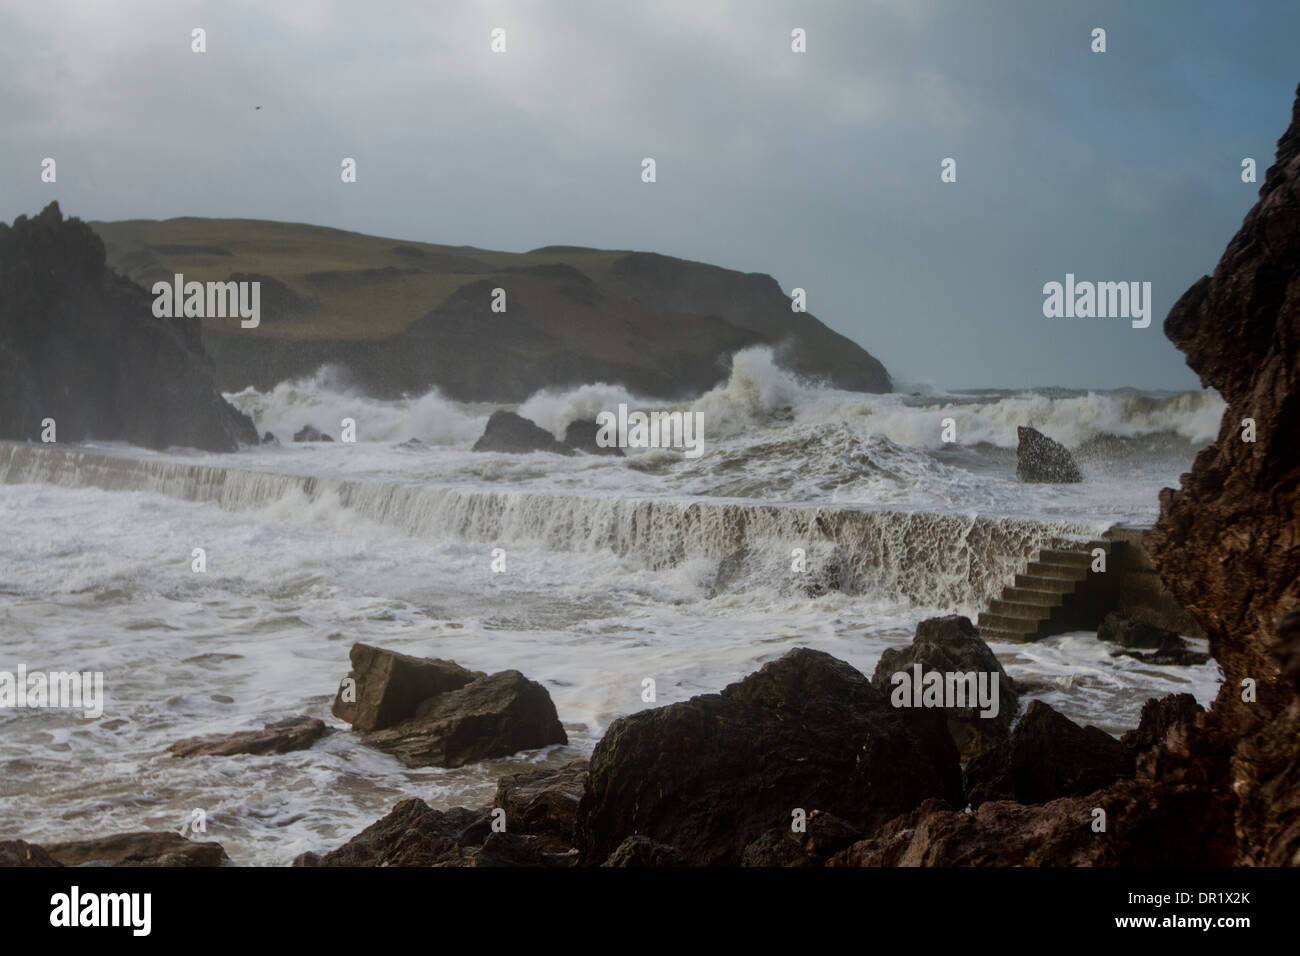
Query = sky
x=820 y=168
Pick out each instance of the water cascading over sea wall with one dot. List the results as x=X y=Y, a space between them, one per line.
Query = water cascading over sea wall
x=958 y=562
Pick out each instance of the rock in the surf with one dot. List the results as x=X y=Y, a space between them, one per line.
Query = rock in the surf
x=582 y=436
x=710 y=775
x=951 y=647
x=142 y=848
x=1040 y=459
x=311 y=433
x=385 y=687
x=1120 y=630
x=277 y=737
x=411 y=834
x=508 y=432
x=543 y=803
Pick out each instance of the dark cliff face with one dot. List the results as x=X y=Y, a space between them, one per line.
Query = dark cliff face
x=80 y=344
x=1228 y=541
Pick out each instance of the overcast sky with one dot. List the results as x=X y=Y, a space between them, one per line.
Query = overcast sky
x=819 y=168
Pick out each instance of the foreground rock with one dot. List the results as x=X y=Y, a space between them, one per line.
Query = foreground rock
x=277 y=737
x=494 y=716
x=22 y=853
x=412 y=834
x=1048 y=756
x=387 y=687
x=80 y=344
x=1040 y=459
x=544 y=803
x=511 y=433
x=952 y=646
x=710 y=775
x=1175 y=712
x=581 y=435
x=144 y=848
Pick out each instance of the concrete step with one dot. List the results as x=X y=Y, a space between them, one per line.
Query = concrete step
x=1044 y=598
x=1029 y=612
x=1007 y=636
x=1056 y=584
x=1074 y=572
x=1009 y=622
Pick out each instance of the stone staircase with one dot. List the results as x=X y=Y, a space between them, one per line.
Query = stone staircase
x=1056 y=593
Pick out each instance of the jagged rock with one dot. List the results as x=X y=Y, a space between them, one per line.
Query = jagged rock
x=1159 y=716
x=543 y=803
x=709 y=775
x=143 y=848
x=1133 y=634
x=311 y=433
x=80 y=344
x=582 y=436
x=1040 y=459
x=1047 y=756
x=508 y=432
x=1171 y=650
x=640 y=851
x=826 y=835
x=388 y=687
x=518 y=849
x=412 y=834
x=952 y=645
x=277 y=737
x=493 y=716
x=22 y=853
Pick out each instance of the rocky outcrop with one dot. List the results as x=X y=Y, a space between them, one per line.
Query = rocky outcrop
x=384 y=687
x=581 y=435
x=22 y=853
x=952 y=646
x=1228 y=540
x=144 y=848
x=508 y=432
x=1048 y=756
x=494 y=716
x=1040 y=459
x=412 y=834
x=710 y=775
x=277 y=737
x=822 y=836
x=1159 y=718
x=80 y=344
x=543 y=803
x=640 y=851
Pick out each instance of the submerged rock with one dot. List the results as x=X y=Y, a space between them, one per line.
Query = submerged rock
x=582 y=436
x=952 y=646
x=508 y=432
x=710 y=775
x=143 y=848
x=277 y=737
x=1040 y=459
x=311 y=433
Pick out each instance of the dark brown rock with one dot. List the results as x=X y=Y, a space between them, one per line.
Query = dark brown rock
x=1159 y=717
x=494 y=716
x=543 y=803
x=952 y=645
x=22 y=853
x=277 y=737
x=508 y=432
x=412 y=834
x=640 y=851
x=1048 y=756
x=709 y=775
x=311 y=433
x=389 y=686
x=824 y=835
x=582 y=436
x=143 y=848
x=1132 y=634
x=1040 y=459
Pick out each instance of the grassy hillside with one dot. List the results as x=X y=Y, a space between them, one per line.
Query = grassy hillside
x=406 y=315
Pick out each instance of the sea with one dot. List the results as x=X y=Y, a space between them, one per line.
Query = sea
x=590 y=574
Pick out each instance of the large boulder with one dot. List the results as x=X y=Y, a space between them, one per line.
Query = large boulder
x=952 y=646
x=543 y=803
x=1040 y=459
x=142 y=848
x=494 y=716
x=81 y=345
x=1047 y=756
x=508 y=432
x=387 y=687
x=277 y=737
x=709 y=775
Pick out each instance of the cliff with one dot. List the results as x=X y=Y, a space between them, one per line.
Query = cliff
x=80 y=344
x=403 y=316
